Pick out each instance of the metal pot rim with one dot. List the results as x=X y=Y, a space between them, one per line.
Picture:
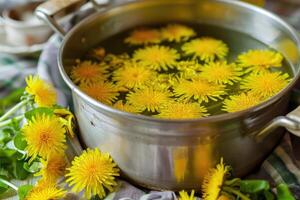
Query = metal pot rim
x=220 y=117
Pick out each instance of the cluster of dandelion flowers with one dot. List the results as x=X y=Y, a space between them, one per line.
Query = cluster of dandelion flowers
x=221 y=72
x=104 y=92
x=240 y=102
x=44 y=94
x=213 y=182
x=260 y=60
x=177 y=33
x=92 y=172
x=157 y=57
x=199 y=89
x=148 y=98
x=132 y=75
x=143 y=36
x=87 y=72
x=178 y=110
x=265 y=84
x=45 y=135
x=49 y=192
x=206 y=49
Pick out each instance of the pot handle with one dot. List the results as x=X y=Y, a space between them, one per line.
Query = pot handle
x=291 y=122
x=51 y=9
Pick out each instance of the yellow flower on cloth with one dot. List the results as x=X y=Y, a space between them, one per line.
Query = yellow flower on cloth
x=177 y=32
x=46 y=192
x=183 y=195
x=206 y=49
x=87 y=72
x=221 y=72
x=213 y=182
x=148 y=98
x=125 y=107
x=199 y=89
x=157 y=57
x=144 y=36
x=132 y=75
x=53 y=167
x=240 y=102
x=102 y=91
x=260 y=60
x=45 y=135
x=178 y=110
x=44 y=94
x=265 y=84
x=67 y=118
x=92 y=172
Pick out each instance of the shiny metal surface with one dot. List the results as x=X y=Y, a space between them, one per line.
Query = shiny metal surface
x=173 y=154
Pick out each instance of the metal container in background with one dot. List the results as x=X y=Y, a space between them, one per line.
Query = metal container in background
x=176 y=154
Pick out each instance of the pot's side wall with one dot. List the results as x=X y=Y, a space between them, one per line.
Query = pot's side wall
x=174 y=162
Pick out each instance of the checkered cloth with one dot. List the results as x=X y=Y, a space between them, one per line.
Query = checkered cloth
x=283 y=165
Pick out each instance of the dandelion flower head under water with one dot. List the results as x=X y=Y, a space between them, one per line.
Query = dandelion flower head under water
x=177 y=33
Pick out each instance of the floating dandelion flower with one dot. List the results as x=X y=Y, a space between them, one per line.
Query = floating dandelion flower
x=157 y=57
x=178 y=110
x=188 y=69
x=148 y=98
x=44 y=135
x=221 y=72
x=183 y=195
x=260 y=60
x=265 y=84
x=144 y=36
x=199 y=89
x=116 y=61
x=98 y=53
x=125 y=107
x=49 y=192
x=206 y=49
x=241 y=102
x=177 y=32
x=213 y=182
x=87 y=72
x=102 y=91
x=92 y=172
x=132 y=75
x=44 y=94
x=53 y=168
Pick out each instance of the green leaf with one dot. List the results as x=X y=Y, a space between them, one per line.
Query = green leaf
x=33 y=167
x=269 y=195
x=19 y=171
x=254 y=186
x=23 y=191
x=3 y=188
x=38 y=111
x=20 y=142
x=283 y=192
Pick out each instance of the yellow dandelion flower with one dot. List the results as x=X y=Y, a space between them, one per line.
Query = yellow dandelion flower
x=178 y=110
x=148 y=98
x=188 y=69
x=163 y=81
x=67 y=118
x=132 y=75
x=183 y=195
x=101 y=91
x=144 y=36
x=221 y=72
x=53 y=168
x=177 y=32
x=44 y=94
x=199 y=89
x=206 y=49
x=260 y=60
x=44 y=135
x=157 y=57
x=213 y=182
x=265 y=84
x=50 y=192
x=116 y=61
x=125 y=107
x=87 y=72
x=92 y=172
x=241 y=102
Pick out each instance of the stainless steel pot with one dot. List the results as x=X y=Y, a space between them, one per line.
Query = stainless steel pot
x=176 y=154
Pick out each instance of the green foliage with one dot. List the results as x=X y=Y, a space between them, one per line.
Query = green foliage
x=23 y=191
x=38 y=111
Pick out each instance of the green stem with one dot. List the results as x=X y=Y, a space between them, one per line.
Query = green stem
x=14 y=109
x=235 y=192
x=7 y=122
x=9 y=184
